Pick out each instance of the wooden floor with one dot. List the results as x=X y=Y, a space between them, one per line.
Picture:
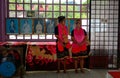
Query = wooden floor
x=92 y=73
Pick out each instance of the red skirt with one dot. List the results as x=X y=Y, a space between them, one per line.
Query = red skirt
x=61 y=47
x=76 y=48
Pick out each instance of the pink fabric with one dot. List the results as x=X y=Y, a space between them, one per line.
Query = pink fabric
x=79 y=35
x=62 y=31
x=63 y=35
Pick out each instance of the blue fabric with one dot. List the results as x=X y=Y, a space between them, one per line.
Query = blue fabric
x=7 y=69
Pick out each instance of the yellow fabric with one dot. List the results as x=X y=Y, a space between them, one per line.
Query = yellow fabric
x=35 y=51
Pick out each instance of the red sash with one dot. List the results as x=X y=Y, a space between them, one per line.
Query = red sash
x=63 y=35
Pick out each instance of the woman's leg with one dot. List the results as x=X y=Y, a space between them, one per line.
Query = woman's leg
x=58 y=62
x=64 y=65
x=76 y=62
x=81 y=64
x=66 y=55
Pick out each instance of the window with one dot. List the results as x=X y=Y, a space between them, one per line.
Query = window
x=48 y=10
x=104 y=29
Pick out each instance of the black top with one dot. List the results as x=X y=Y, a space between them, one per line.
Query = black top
x=72 y=33
x=56 y=30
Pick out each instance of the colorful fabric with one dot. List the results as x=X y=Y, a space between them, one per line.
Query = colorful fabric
x=79 y=37
x=76 y=48
x=63 y=33
x=63 y=36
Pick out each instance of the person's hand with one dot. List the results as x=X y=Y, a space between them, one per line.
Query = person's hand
x=80 y=44
x=60 y=40
x=87 y=42
x=75 y=41
x=63 y=45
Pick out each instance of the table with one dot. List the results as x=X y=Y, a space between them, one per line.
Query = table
x=38 y=55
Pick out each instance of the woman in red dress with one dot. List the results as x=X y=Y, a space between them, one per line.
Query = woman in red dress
x=79 y=45
x=62 y=42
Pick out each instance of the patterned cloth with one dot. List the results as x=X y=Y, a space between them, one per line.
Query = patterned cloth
x=62 y=33
x=79 y=36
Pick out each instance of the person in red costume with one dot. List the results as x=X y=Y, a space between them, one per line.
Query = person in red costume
x=62 y=42
x=79 y=45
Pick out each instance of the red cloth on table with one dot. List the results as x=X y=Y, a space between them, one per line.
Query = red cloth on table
x=115 y=74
